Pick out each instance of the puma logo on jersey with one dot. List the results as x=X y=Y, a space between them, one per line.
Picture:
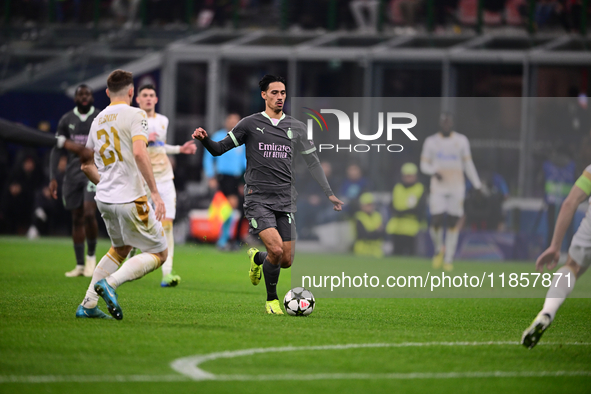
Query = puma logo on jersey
x=261 y=130
x=72 y=126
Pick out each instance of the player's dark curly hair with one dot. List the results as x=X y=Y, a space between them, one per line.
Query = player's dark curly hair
x=147 y=86
x=268 y=79
x=82 y=86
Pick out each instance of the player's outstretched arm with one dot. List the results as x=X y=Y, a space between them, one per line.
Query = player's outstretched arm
x=188 y=148
x=142 y=159
x=214 y=147
x=549 y=258
x=469 y=166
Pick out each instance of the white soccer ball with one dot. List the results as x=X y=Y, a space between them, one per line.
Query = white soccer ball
x=299 y=302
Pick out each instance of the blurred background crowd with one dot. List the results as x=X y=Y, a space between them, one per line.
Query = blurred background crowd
x=367 y=15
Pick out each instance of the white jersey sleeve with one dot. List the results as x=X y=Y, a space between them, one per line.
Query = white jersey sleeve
x=469 y=167
x=427 y=157
x=139 y=126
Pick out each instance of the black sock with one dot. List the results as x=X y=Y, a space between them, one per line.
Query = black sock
x=260 y=257
x=271 y=273
x=91 y=247
x=79 y=251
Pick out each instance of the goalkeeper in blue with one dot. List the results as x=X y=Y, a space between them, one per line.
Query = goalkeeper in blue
x=579 y=259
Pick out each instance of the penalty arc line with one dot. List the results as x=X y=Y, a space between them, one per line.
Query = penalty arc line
x=189 y=370
x=189 y=366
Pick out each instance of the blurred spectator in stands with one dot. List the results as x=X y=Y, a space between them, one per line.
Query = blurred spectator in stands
x=410 y=10
x=573 y=10
x=49 y=214
x=163 y=12
x=408 y=210
x=19 y=195
x=29 y=11
x=484 y=208
x=443 y=9
x=313 y=209
x=369 y=229
x=365 y=13
x=559 y=176
x=125 y=11
x=494 y=5
x=353 y=185
x=578 y=115
x=548 y=12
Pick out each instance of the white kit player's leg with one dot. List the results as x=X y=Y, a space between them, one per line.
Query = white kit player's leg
x=451 y=243
x=167 y=266
x=455 y=211
x=560 y=288
x=131 y=224
x=134 y=268
x=168 y=194
x=437 y=237
x=437 y=209
x=562 y=285
x=107 y=266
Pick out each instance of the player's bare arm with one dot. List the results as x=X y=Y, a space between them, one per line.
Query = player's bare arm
x=142 y=159
x=90 y=170
x=188 y=148
x=549 y=258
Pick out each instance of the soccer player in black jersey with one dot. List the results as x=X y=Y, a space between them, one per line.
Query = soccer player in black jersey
x=78 y=192
x=271 y=137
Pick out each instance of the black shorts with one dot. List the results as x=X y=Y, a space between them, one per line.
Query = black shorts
x=74 y=194
x=261 y=218
x=228 y=184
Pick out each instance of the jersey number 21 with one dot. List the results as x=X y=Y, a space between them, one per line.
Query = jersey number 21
x=106 y=153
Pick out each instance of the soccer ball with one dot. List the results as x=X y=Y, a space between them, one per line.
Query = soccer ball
x=299 y=302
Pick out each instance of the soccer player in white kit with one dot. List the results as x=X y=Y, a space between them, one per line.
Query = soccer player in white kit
x=158 y=150
x=579 y=258
x=446 y=157
x=119 y=137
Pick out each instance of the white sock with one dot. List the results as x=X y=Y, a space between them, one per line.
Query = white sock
x=557 y=293
x=167 y=266
x=451 y=243
x=437 y=238
x=134 y=268
x=107 y=266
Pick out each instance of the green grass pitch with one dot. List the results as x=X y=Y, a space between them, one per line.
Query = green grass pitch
x=45 y=349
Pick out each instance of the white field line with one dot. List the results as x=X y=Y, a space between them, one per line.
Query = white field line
x=189 y=366
x=189 y=369
x=90 y=378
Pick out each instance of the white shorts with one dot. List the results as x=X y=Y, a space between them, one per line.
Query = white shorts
x=450 y=203
x=133 y=224
x=168 y=194
x=580 y=247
